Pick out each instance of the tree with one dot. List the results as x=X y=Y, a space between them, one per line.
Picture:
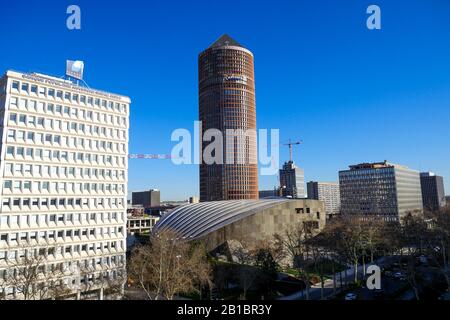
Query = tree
x=414 y=234
x=295 y=247
x=438 y=246
x=168 y=266
x=31 y=276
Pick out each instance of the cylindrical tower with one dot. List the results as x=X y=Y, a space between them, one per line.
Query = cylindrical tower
x=227 y=102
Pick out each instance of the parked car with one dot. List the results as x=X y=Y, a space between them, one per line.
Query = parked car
x=398 y=275
x=423 y=259
x=350 y=296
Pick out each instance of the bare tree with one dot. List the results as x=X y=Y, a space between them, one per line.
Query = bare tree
x=294 y=244
x=31 y=277
x=168 y=266
x=438 y=242
x=414 y=234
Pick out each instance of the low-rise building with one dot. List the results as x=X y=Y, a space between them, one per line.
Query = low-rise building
x=141 y=224
x=252 y=221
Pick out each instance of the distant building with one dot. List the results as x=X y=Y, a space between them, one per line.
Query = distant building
x=328 y=192
x=160 y=210
x=292 y=181
x=150 y=198
x=141 y=224
x=433 y=194
x=269 y=193
x=380 y=189
x=194 y=200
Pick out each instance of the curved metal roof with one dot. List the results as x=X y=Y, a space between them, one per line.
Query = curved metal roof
x=194 y=221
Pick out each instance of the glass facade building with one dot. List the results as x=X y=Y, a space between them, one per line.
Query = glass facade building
x=227 y=103
x=380 y=189
x=433 y=194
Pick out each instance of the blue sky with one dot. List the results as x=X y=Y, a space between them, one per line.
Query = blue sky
x=352 y=95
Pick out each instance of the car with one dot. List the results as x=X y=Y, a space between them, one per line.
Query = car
x=350 y=296
x=398 y=275
x=388 y=273
x=423 y=259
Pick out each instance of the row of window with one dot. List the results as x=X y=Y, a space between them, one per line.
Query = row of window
x=28 y=238
x=74 y=98
x=18 y=186
x=61 y=219
x=47 y=155
x=57 y=110
x=56 y=140
x=60 y=111
x=61 y=203
x=62 y=172
x=75 y=128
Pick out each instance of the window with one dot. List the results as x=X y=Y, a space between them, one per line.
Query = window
x=7 y=184
x=30 y=136
x=15 y=85
x=31 y=121
x=25 y=87
x=13 y=118
x=12 y=134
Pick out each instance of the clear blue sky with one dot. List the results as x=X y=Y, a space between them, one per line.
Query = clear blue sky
x=352 y=95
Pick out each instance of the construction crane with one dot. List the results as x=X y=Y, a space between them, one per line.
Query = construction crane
x=291 y=144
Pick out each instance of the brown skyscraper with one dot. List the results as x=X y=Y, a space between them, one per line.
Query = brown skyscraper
x=227 y=102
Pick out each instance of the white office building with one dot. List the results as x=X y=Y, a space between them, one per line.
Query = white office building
x=328 y=192
x=63 y=169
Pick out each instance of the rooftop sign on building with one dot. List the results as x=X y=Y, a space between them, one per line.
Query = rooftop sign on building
x=75 y=69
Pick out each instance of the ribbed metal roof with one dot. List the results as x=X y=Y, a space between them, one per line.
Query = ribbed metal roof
x=194 y=221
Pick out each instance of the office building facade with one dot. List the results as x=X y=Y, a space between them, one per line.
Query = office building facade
x=227 y=103
x=380 y=189
x=433 y=194
x=292 y=181
x=328 y=192
x=63 y=169
x=146 y=199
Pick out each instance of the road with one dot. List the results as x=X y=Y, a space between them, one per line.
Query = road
x=315 y=291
